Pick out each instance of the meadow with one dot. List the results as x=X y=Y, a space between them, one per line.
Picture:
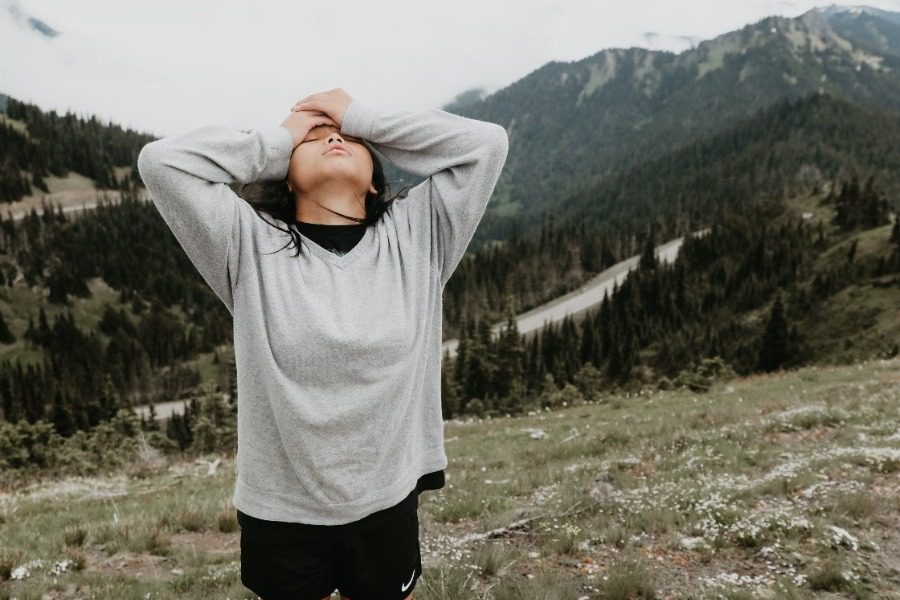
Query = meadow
x=785 y=485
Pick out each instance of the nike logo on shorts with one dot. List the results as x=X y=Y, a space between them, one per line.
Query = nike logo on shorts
x=405 y=586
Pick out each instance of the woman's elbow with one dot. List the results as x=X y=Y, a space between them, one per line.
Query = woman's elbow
x=147 y=160
x=499 y=146
x=501 y=139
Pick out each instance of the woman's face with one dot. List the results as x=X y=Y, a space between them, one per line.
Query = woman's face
x=317 y=160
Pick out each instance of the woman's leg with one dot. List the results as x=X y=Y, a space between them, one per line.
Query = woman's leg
x=283 y=569
x=377 y=562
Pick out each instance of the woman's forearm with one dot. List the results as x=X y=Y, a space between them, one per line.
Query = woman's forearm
x=462 y=159
x=187 y=176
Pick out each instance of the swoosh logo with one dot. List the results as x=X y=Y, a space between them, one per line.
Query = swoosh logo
x=406 y=585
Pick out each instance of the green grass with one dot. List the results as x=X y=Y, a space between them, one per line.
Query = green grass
x=786 y=483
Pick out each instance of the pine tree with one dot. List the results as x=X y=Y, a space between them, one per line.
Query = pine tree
x=648 y=260
x=615 y=364
x=510 y=352
x=43 y=331
x=450 y=401
x=481 y=370
x=874 y=206
x=774 y=347
x=61 y=415
x=232 y=385
x=6 y=336
x=461 y=361
x=152 y=419
x=108 y=398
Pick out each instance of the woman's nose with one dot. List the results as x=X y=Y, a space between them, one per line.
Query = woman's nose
x=333 y=137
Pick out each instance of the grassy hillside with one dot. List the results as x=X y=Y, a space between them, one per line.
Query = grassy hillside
x=861 y=318
x=785 y=484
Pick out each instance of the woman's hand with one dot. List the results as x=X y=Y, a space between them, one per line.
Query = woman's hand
x=299 y=122
x=333 y=103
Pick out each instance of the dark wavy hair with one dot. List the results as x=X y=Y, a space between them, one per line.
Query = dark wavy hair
x=275 y=199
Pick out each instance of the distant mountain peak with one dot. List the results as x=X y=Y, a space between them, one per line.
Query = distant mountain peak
x=807 y=36
x=820 y=34
x=470 y=97
x=856 y=9
x=26 y=21
x=872 y=29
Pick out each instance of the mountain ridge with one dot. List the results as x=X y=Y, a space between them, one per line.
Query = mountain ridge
x=641 y=103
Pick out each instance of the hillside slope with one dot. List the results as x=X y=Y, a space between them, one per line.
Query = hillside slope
x=785 y=485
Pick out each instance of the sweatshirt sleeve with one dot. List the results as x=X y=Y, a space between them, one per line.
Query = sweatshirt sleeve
x=462 y=159
x=187 y=176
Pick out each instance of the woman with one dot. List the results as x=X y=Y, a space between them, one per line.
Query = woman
x=338 y=354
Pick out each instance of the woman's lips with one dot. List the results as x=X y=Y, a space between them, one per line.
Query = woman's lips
x=338 y=150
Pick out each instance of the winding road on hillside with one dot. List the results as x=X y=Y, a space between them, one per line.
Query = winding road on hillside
x=576 y=301
x=588 y=295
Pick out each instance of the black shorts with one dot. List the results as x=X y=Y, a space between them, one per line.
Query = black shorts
x=375 y=558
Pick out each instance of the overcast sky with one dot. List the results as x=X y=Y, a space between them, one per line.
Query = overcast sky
x=165 y=66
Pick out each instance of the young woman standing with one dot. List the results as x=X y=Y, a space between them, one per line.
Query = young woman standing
x=338 y=346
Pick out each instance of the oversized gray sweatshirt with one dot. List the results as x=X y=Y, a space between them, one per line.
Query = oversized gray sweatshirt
x=338 y=356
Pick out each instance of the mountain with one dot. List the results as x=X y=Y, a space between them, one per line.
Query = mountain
x=794 y=144
x=466 y=99
x=575 y=121
x=573 y=124
x=873 y=30
x=837 y=10
x=801 y=265
x=787 y=158
x=26 y=21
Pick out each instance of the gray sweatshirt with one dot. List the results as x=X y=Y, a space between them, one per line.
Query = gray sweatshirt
x=338 y=356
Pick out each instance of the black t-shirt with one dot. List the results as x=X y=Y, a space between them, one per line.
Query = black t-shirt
x=340 y=239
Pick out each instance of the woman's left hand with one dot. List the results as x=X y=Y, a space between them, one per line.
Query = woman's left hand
x=333 y=103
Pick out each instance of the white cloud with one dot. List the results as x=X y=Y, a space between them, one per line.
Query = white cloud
x=167 y=66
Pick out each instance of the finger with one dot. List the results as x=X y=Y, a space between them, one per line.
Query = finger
x=310 y=104
x=324 y=121
x=313 y=113
x=307 y=99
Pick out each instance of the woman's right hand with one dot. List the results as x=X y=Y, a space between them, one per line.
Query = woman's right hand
x=300 y=122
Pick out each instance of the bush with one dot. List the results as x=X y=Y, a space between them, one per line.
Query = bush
x=568 y=396
x=28 y=446
x=31 y=449
x=215 y=426
x=589 y=380
x=701 y=376
x=474 y=407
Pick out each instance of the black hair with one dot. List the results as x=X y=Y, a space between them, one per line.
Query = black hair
x=275 y=199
